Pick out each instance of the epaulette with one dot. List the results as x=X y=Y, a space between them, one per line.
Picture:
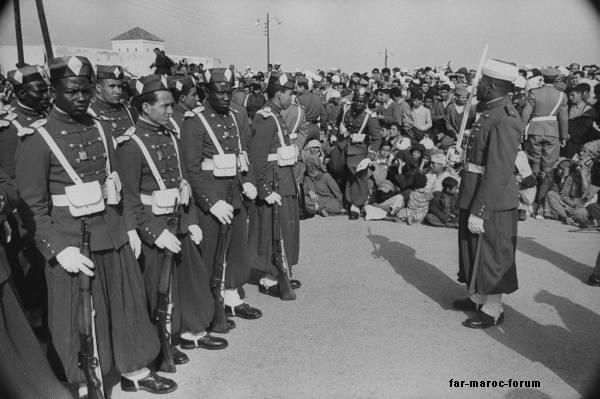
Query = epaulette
x=510 y=110
x=193 y=112
x=265 y=112
x=126 y=136
x=39 y=123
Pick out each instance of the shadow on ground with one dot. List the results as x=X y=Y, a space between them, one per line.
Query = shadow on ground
x=571 y=352
x=531 y=247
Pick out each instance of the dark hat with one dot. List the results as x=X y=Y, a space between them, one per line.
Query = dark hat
x=26 y=74
x=149 y=84
x=70 y=67
x=278 y=80
x=109 y=72
x=302 y=79
x=218 y=75
x=182 y=84
x=444 y=86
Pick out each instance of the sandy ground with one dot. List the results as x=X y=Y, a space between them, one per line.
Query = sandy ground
x=373 y=319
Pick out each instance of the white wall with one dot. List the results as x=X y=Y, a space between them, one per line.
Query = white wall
x=136 y=64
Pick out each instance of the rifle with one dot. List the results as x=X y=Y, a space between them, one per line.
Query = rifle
x=219 y=323
x=286 y=292
x=88 y=351
x=469 y=104
x=164 y=305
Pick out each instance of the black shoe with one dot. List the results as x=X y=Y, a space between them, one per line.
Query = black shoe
x=206 y=342
x=295 y=284
x=244 y=311
x=274 y=289
x=230 y=324
x=594 y=280
x=152 y=383
x=179 y=357
x=353 y=215
x=483 y=320
x=466 y=305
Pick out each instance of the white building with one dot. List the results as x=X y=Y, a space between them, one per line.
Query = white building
x=132 y=49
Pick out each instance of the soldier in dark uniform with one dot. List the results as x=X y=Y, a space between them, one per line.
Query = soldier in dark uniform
x=64 y=169
x=31 y=104
x=186 y=98
x=153 y=144
x=220 y=127
x=359 y=139
x=488 y=199
x=106 y=105
x=24 y=370
x=270 y=133
x=313 y=106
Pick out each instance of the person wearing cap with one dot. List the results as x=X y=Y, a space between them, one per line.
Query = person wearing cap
x=186 y=99
x=150 y=165
x=295 y=119
x=323 y=195
x=211 y=133
x=106 y=105
x=63 y=168
x=277 y=67
x=440 y=107
x=488 y=199
x=254 y=100
x=313 y=106
x=438 y=172
x=272 y=155
x=455 y=112
x=547 y=128
x=359 y=139
x=31 y=103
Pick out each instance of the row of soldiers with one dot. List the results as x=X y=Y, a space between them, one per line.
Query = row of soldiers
x=83 y=157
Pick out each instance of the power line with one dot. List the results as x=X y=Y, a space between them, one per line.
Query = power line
x=195 y=17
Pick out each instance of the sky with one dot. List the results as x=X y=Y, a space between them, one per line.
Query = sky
x=350 y=34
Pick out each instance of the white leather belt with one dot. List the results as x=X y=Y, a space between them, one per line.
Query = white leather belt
x=208 y=164
x=473 y=168
x=543 y=119
x=62 y=200
x=272 y=157
x=146 y=199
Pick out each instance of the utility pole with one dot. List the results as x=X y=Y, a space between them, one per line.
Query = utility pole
x=44 y=26
x=20 y=55
x=268 y=33
x=386 y=57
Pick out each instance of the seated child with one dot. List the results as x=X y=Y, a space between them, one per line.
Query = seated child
x=443 y=211
x=417 y=204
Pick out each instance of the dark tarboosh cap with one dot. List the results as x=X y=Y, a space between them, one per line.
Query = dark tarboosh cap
x=70 y=67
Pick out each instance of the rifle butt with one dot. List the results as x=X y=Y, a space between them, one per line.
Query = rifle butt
x=167 y=363
x=286 y=292
x=219 y=323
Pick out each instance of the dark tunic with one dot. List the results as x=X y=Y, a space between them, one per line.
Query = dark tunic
x=116 y=118
x=208 y=189
x=357 y=183
x=491 y=195
x=125 y=336
x=193 y=303
x=265 y=141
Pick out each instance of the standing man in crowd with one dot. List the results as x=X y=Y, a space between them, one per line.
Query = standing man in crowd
x=162 y=63
x=315 y=110
x=66 y=154
x=269 y=135
x=220 y=127
x=360 y=138
x=488 y=200
x=106 y=105
x=547 y=130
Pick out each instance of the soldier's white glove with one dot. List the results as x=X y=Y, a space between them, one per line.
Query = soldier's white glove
x=74 y=262
x=364 y=164
x=222 y=211
x=273 y=198
x=249 y=190
x=135 y=242
x=195 y=233
x=167 y=240
x=475 y=224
